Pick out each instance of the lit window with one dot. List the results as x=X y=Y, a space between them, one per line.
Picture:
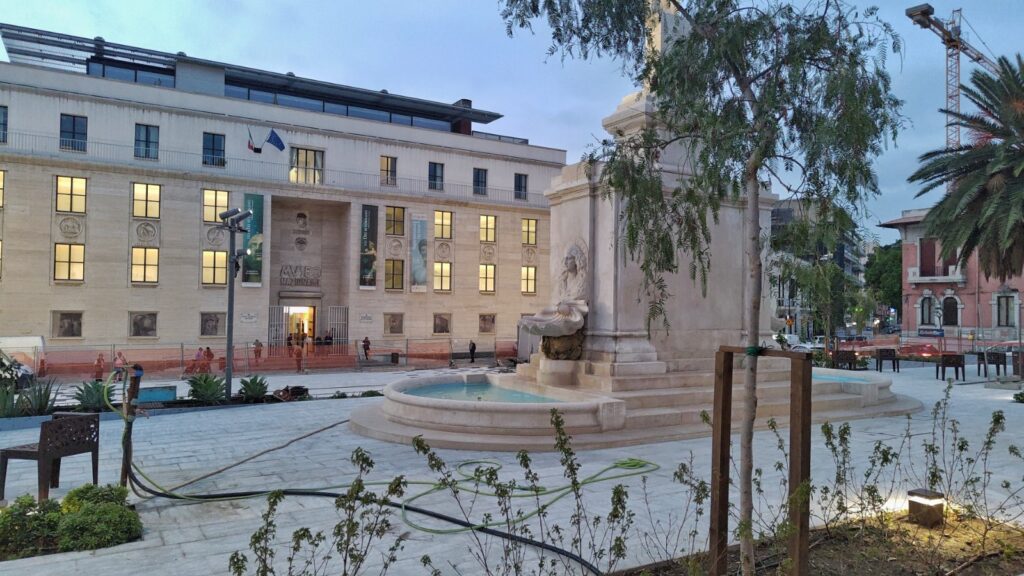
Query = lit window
x=529 y=231
x=3 y=124
x=480 y=181
x=74 y=132
x=388 y=171
x=487 y=226
x=214 y=202
x=215 y=267
x=442 y=224
x=69 y=261
x=487 y=278
x=145 y=200
x=435 y=175
x=394 y=274
x=522 y=190
x=443 y=276
x=213 y=149
x=71 y=194
x=394 y=220
x=145 y=265
x=147 y=141
x=307 y=166
x=528 y=280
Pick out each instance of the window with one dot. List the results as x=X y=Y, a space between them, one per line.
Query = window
x=487 y=226
x=214 y=202
x=522 y=190
x=529 y=231
x=927 y=310
x=950 y=312
x=394 y=274
x=215 y=267
x=487 y=278
x=442 y=323
x=145 y=265
x=142 y=324
x=528 y=280
x=213 y=323
x=435 y=176
x=388 y=171
x=443 y=276
x=480 y=181
x=442 y=224
x=3 y=124
x=394 y=324
x=67 y=325
x=147 y=141
x=2 y=173
x=69 y=262
x=213 y=149
x=394 y=220
x=486 y=324
x=74 y=132
x=307 y=166
x=71 y=194
x=145 y=200
x=1004 y=304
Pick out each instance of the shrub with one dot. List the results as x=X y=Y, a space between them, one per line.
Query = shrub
x=93 y=396
x=97 y=526
x=206 y=389
x=1019 y=397
x=371 y=394
x=27 y=528
x=339 y=395
x=92 y=494
x=8 y=400
x=38 y=399
x=254 y=388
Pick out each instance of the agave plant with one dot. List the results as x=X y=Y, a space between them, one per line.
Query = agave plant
x=38 y=399
x=8 y=400
x=93 y=396
x=206 y=389
x=254 y=388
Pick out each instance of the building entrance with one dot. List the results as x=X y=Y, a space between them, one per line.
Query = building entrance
x=300 y=320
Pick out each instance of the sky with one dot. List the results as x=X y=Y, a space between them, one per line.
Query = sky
x=445 y=50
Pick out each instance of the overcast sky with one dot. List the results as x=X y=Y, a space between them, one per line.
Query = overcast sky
x=450 y=49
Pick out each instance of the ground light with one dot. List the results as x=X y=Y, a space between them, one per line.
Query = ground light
x=926 y=507
x=231 y=220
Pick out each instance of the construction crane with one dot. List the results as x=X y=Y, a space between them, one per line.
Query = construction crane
x=949 y=33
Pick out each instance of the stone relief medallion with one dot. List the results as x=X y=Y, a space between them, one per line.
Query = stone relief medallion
x=395 y=248
x=529 y=255
x=487 y=254
x=300 y=243
x=146 y=232
x=215 y=236
x=443 y=252
x=70 y=227
x=572 y=281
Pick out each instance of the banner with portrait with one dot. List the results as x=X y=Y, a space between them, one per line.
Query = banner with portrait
x=368 y=248
x=418 y=256
x=252 y=264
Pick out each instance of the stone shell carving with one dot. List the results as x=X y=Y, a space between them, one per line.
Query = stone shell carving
x=395 y=248
x=487 y=254
x=70 y=227
x=215 y=236
x=443 y=252
x=529 y=255
x=146 y=232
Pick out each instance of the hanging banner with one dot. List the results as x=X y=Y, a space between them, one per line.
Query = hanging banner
x=252 y=264
x=368 y=249
x=418 y=255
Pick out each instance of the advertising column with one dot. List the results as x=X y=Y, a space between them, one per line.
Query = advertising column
x=418 y=255
x=368 y=248
x=252 y=264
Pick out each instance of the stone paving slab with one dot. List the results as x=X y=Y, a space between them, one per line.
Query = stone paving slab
x=197 y=538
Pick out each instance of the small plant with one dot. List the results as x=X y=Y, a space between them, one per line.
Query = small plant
x=92 y=494
x=93 y=396
x=8 y=400
x=206 y=389
x=27 y=528
x=38 y=399
x=339 y=395
x=371 y=394
x=98 y=525
x=254 y=388
x=1019 y=397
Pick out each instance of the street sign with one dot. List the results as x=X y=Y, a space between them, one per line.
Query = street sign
x=931 y=332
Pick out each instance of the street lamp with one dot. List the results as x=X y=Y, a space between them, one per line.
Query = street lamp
x=231 y=220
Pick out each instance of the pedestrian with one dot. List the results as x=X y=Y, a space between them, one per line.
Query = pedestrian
x=472 y=352
x=298 y=360
x=257 y=350
x=290 y=344
x=366 y=347
x=99 y=367
x=120 y=362
x=207 y=360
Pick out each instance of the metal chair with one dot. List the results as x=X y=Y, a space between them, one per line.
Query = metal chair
x=997 y=359
x=883 y=354
x=66 y=434
x=846 y=358
x=954 y=361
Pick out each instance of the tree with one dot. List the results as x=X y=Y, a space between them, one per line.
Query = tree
x=883 y=275
x=760 y=92
x=984 y=210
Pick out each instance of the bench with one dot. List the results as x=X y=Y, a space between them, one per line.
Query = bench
x=954 y=361
x=66 y=434
x=883 y=354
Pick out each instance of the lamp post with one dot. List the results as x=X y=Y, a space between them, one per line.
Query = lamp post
x=231 y=220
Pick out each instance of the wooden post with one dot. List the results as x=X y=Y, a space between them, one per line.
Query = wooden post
x=721 y=435
x=799 y=463
x=129 y=410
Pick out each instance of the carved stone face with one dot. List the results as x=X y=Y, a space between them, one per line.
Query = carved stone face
x=570 y=263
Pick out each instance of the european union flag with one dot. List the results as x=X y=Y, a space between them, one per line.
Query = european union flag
x=274 y=140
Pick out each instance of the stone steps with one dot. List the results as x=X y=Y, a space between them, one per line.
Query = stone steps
x=669 y=397
x=670 y=380
x=690 y=415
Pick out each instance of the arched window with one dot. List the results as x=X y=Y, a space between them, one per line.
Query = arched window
x=927 y=310
x=950 y=312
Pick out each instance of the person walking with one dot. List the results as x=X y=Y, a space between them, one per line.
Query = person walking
x=298 y=360
x=120 y=362
x=257 y=350
x=472 y=352
x=99 y=367
x=366 y=347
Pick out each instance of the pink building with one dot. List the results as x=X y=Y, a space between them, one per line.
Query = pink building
x=937 y=293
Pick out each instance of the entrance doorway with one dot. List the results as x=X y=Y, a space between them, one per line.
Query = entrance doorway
x=300 y=320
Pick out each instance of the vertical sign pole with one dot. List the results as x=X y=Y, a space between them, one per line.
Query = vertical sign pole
x=799 y=463
x=721 y=423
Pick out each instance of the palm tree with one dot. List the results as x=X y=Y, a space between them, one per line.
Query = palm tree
x=984 y=210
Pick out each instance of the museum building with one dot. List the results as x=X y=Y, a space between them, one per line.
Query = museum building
x=374 y=214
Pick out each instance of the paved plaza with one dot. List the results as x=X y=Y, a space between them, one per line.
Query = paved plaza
x=197 y=538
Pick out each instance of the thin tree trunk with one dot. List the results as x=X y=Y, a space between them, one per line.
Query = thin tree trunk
x=753 y=326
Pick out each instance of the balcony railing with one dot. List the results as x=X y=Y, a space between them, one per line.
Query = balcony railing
x=953 y=275
x=106 y=153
